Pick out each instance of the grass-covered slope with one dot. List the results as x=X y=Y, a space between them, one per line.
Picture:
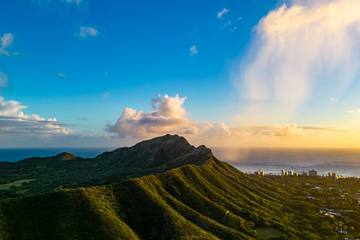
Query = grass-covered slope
x=40 y=175
x=177 y=204
x=184 y=193
x=208 y=201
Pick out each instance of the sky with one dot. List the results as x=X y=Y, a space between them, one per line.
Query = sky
x=250 y=73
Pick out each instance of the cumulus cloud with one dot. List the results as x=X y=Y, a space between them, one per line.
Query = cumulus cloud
x=193 y=50
x=5 y=42
x=221 y=14
x=168 y=116
x=13 y=120
x=300 y=48
x=87 y=31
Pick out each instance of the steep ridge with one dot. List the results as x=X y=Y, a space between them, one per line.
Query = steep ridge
x=196 y=197
x=208 y=201
x=179 y=204
x=167 y=150
x=66 y=170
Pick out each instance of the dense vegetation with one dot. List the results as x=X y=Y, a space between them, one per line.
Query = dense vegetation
x=199 y=199
x=40 y=175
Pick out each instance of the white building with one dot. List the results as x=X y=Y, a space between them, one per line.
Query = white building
x=260 y=172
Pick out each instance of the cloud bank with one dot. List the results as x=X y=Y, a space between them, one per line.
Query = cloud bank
x=14 y=121
x=298 y=49
x=285 y=130
x=168 y=116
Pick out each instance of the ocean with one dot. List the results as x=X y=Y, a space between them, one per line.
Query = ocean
x=342 y=161
x=345 y=162
x=16 y=154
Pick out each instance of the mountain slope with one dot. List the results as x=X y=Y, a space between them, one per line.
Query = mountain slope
x=200 y=198
x=208 y=201
x=171 y=205
x=66 y=170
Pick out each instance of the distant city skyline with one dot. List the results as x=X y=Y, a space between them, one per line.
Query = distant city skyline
x=85 y=73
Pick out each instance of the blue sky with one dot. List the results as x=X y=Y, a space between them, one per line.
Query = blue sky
x=142 y=50
x=84 y=61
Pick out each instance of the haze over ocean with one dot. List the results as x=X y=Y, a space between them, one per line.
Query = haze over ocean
x=16 y=154
x=342 y=161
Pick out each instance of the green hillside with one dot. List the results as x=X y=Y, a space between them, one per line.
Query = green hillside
x=202 y=198
x=65 y=170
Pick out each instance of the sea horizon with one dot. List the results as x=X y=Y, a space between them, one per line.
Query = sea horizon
x=342 y=161
x=18 y=154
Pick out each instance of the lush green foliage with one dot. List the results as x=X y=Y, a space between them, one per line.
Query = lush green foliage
x=205 y=199
x=209 y=201
x=65 y=170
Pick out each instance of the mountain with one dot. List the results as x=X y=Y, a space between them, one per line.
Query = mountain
x=66 y=170
x=163 y=152
x=184 y=193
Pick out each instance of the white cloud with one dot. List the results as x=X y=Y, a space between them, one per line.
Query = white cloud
x=5 y=42
x=334 y=100
x=106 y=94
x=168 y=116
x=193 y=50
x=289 y=130
x=222 y=13
x=230 y=25
x=61 y=75
x=284 y=130
x=60 y=5
x=3 y=80
x=354 y=111
x=87 y=31
x=13 y=120
x=299 y=49
x=76 y=2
